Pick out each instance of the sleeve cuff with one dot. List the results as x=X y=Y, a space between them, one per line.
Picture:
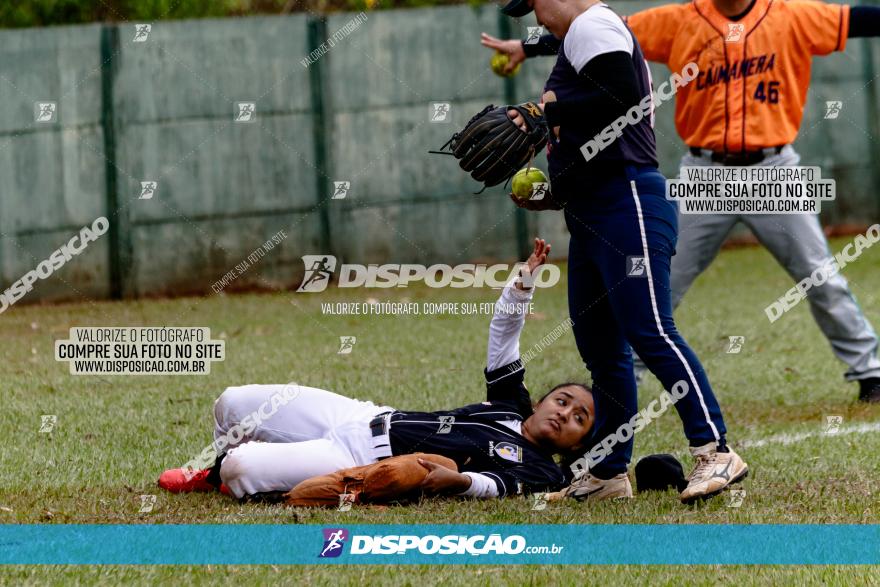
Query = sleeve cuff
x=520 y=295
x=496 y=375
x=481 y=486
x=551 y=114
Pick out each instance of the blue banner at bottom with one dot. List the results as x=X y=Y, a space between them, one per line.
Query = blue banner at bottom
x=440 y=544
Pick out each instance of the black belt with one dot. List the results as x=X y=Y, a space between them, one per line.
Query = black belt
x=379 y=425
x=737 y=159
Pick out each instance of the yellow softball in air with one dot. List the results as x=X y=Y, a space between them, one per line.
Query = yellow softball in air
x=500 y=61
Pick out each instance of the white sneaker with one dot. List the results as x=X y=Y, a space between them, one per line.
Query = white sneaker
x=713 y=473
x=589 y=487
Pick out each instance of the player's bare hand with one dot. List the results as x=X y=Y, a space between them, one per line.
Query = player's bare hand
x=539 y=255
x=513 y=48
x=443 y=480
x=535 y=260
x=518 y=119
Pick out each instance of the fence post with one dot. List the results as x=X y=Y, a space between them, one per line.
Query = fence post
x=119 y=233
x=317 y=26
x=521 y=221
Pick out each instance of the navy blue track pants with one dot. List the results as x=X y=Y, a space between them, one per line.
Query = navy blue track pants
x=623 y=236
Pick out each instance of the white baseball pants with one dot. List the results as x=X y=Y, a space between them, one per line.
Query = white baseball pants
x=281 y=435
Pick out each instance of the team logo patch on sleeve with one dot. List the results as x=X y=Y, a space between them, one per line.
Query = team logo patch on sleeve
x=507 y=451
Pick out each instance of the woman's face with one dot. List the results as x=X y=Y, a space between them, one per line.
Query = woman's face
x=549 y=16
x=563 y=418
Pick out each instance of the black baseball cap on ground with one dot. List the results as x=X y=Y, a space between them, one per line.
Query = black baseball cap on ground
x=659 y=472
x=517 y=8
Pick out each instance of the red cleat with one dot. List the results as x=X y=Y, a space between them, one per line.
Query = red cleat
x=185 y=481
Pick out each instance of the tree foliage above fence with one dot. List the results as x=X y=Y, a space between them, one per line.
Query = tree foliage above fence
x=34 y=13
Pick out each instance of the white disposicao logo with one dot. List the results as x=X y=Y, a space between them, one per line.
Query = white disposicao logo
x=540 y=502
x=533 y=35
x=635 y=267
x=446 y=423
x=319 y=269
x=656 y=408
x=142 y=32
x=148 y=189
x=445 y=545
x=821 y=274
x=340 y=189
x=832 y=424
x=736 y=498
x=47 y=423
x=45 y=112
x=833 y=108
x=440 y=111
x=735 y=32
x=147 y=504
x=245 y=111
x=346 y=345
x=539 y=190
x=346 y=500
x=735 y=344
x=644 y=109
x=76 y=245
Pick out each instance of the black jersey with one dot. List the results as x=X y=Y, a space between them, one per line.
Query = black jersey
x=484 y=438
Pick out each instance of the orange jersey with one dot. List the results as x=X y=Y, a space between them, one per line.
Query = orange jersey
x=754 y=72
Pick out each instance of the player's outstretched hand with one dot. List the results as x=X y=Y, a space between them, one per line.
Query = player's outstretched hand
x=443 y=480
x=512 y=48
x=535 y=260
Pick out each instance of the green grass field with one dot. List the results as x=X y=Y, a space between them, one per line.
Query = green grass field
x=115 y=434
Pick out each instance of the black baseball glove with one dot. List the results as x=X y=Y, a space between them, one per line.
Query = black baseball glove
x=492 y=148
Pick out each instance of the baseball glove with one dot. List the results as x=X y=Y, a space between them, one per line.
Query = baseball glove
x=492 y=148
x=392 y=479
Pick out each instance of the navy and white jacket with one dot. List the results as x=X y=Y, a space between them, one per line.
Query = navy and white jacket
x=596 y=32
x=485 y=439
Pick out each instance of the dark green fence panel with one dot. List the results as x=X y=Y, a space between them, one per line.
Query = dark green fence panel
x=342 y=98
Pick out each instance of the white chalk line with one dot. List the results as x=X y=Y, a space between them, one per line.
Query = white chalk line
x=786 y=439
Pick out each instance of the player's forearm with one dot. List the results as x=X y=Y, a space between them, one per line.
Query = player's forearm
x=546 y=45
x=506 y=326
x=613 y=90
x=864 y=21
x=481 y=486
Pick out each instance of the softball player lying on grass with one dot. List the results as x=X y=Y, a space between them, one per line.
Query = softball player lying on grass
x=502 y=446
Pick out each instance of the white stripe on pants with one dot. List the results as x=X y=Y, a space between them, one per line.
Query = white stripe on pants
x=291 y=433
x=656 y=312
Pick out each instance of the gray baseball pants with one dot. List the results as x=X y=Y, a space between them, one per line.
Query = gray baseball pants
x=798 y=244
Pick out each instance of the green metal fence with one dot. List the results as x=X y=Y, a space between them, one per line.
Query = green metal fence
x=164 y=109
